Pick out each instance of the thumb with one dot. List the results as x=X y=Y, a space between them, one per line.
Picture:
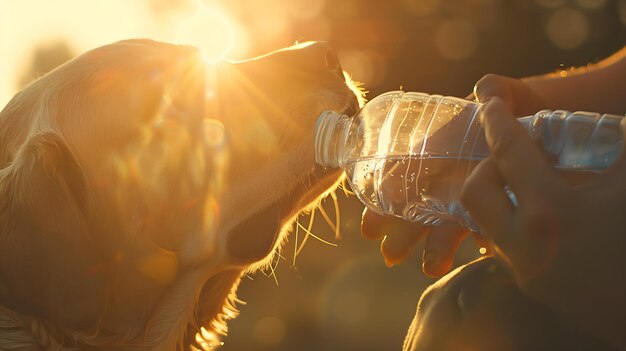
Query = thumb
x=513 y=92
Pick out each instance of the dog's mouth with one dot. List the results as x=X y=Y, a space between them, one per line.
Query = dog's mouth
x=316 y=182
x=321 y=178
x=249 y=242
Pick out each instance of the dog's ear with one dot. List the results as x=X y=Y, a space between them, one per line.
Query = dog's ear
x=47 y=256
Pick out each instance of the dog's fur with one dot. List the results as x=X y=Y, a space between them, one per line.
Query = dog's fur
x=138 y=184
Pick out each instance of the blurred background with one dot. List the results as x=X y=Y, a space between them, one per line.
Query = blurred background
x=334 y=297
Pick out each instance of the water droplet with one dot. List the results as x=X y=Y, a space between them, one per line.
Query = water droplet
x=374 y=200
x=368 y=175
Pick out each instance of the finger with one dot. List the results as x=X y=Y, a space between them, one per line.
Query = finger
x=440 y=247
x=518 y=158
x=372 y=224
x=484 y=196
x=514 y=92
x=400 y=242
x=399 y=236
x=375 y=226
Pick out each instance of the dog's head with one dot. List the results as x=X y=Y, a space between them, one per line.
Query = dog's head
x=479 y=307
x=137 y=184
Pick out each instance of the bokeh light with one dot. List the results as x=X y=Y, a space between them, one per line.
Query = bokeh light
x=567 y=28
x=269 y=331
x=364 y=66
x=334 y=295
x=457 y=39
x=305 y=9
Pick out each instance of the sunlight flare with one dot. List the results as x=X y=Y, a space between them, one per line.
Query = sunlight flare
x=210 y=31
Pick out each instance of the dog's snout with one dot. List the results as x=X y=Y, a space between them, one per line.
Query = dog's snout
x=332 y=62
x=324 y=57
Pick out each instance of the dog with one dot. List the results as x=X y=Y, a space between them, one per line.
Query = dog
x=138 y=184
x=478 y=306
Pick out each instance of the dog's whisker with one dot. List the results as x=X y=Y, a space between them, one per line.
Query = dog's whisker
x=345 y=188
x=306 y=231
x=295 y=246
x=327 y=218
x=272 y=268
x=182 y=124
x=279 y=255
x=333 y=195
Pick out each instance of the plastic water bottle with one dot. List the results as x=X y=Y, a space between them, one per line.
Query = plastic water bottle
x=408 y=154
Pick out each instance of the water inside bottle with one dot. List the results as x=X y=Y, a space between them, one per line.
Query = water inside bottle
x=423 y=188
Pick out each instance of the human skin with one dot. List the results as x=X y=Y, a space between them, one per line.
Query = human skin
x=552 y=210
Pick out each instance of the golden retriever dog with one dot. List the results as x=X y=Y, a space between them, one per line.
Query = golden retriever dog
x=479 y=307
x=138 y=184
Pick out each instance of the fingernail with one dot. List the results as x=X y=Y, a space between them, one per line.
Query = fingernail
x=480 y=94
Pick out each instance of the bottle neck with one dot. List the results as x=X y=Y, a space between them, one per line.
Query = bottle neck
x=331 y=133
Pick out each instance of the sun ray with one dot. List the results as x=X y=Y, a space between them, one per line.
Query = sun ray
x=209 y=30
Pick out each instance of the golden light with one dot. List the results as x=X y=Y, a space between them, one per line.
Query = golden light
x=269 y=331
x=210 y=31
x=568 y=28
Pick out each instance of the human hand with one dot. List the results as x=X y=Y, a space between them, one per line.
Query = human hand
x=399 y=237
x=563 y=242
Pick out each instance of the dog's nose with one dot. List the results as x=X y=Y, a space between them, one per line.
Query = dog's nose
x=332 y=62
x=324 y=55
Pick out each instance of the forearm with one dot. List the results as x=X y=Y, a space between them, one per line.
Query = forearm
x=599 y=87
